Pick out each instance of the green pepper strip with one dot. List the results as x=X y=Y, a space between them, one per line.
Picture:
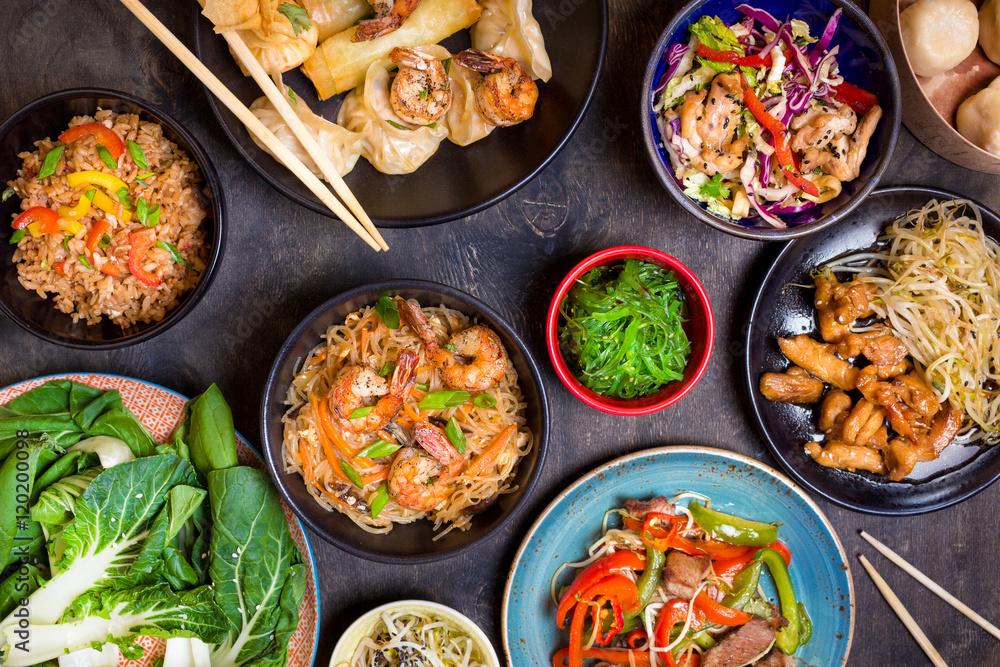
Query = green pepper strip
x=733 y=529
x=806 y=623
x=744 y=586
x=789 y=637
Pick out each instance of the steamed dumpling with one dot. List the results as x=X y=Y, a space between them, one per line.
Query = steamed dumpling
x=508 y=28
x=939 y=34
x=389 y=143
x=342 y=146
x=989 y=29
x=978 y=118
x=465 y=125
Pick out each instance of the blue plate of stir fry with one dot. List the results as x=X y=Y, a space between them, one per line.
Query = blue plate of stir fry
x=769 y=118
x=684 y=557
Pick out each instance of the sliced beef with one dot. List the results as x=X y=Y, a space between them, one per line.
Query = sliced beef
x=640 y=509
x=683 y=573
x=741 y=645
x=776 y=658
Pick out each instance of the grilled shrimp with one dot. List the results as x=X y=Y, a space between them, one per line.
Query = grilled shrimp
x=389 y=15
x=421 y=92
x=420 y=479
x=360 y=383
x=505 y=95
x=474 y=359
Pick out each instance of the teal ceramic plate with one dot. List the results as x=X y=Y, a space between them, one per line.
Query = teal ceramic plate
x=735 y=483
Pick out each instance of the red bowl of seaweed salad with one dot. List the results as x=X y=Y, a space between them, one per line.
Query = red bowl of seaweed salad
x=604 y=361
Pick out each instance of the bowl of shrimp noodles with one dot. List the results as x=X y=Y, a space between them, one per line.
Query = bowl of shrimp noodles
x=770 y=120
x=404 y=421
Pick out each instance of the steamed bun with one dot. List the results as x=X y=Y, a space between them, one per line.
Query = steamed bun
x=978 y=119
x=989 y=29
x=939 y=34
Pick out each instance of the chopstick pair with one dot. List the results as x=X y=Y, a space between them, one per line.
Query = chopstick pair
x=900 y=610
x=364 y=229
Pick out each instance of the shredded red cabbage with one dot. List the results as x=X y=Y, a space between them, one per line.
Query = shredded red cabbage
x=824 y=41
x=674 y=55
x=765 y=19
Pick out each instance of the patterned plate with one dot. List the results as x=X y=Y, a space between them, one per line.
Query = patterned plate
x=159 y=410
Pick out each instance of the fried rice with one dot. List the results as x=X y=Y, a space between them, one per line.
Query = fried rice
x=80 y=279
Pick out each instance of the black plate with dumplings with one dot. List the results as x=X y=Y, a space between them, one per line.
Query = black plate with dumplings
x=784 y=307
x=456 y=181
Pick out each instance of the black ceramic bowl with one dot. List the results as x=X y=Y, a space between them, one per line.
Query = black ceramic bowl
x=414 y=542
x=47 y=117
x=864 y=61
x=783 y=308
x=456 y=181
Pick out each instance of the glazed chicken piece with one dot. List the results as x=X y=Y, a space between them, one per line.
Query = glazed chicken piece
x=709 y=120
x=683 y=574
x=820 y=361
x=821 y=124
x=793 y=386
x=836 y=454
x=848 y=154
x=838 y=305
x=833 y=411
x=864 y=426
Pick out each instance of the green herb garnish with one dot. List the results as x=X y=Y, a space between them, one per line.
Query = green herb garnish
x=17 y=236
x=387 y=310
x=423 y=94
x=422 y=386
x=387 y=368
x=432 y=125
x=440 y=400
x=352 y=474
x=291 y=96
x=447 y=65
x=138 y=156
x=455 y=435
x=104 y=242
x=297 y=16
x=83 y=260
x=106 y=158
x=148 y=215
x=377 y=450
x=66 y=242
x=122 y=193
x=714 y=189
x=175 y=254
x=358 y=413
x=380 y=500
x=7 y=194
x=622 y=329
x=90 y=194
x=398 y=126
x=484 y=401
x=51 y=161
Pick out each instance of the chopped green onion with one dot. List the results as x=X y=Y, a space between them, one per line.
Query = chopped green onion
x=90 y=194
x=447 y=65
x=138 y=156
x=358 y=413
x=122 y=193
x=51 y=162
x=380 y=500
x=142 y=182
x=291 y=96
x=17 y=236
x=484 y=401
x=83 y=260
x=175 y=254
x=66 y=242
x=422 y=386
x=423 y=94
x=440 y=400
x=450 y=347
x=387 y=368
x=455 y=435
x=377 y=450
x=387 y=310
x=148 y=215
x=297 y=16
x=106 y=158
x=7 y=194
x=352 y=474
x=104 y=242
x=397 y=125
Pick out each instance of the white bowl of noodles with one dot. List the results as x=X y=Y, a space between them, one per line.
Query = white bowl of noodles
x=415 y=626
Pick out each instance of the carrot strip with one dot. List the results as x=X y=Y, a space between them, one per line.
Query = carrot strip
x=490 y=454
x=364 y=339
x=410 y=412
x=423 y=369
x=331 y=456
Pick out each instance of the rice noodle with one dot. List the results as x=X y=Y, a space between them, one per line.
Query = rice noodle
x=937 y=279
x=418 y=640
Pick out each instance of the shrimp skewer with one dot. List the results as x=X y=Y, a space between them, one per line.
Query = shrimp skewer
x=421 y=92
x=505 y=94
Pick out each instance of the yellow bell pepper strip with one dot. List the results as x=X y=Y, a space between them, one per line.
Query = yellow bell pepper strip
x=47 y=219
x=141 y=242
x=72 y=228
x=77 y=212
x=105 y=137
x=78 y=178
x=99 y=229
x=733 y=529
x=788 y=638
x=108 y=205
x=779 y=135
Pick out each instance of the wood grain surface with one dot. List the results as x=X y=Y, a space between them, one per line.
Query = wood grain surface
x=282 y=260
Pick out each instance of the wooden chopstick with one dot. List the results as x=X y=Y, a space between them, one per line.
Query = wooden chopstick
x=252 y=123
x=322 y=160
x=934 y=588
x=904 y=615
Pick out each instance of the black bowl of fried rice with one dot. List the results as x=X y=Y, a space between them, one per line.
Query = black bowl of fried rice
x=118 y=242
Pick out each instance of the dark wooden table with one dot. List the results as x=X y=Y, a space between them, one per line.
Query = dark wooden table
x=282 y=261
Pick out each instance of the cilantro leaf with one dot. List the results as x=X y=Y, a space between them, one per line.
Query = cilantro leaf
x=297 y=16
x=714 y=189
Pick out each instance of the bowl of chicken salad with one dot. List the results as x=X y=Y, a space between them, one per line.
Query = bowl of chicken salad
x=770 y=121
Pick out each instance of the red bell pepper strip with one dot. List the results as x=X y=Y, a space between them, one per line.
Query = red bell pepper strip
x=99 y=229
x=717 y=549
x=654 y=535
x=719 y=614
x=736 y=58
x=617 y=587
x=617 y=620
x=858 y=99
x=780 y=139
x=610 y=656
x=140 y=243
x=48 y=219
x=105 y=137
x=110 y=269
x=686 y=660
x=728 y=568
x=673 y=612
x=636 y=638
x=60 y=268
x=619 y=561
